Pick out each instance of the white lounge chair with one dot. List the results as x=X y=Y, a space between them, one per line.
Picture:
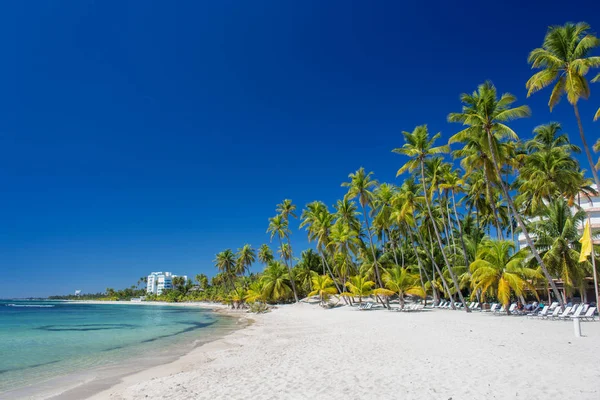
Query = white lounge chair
x=553 y=305
x=589 y=315
x=576 y=314
x=540 y=314
x=500 y=310
x=563 y=315
x=492 y=308
x=474 y=307
x=585 y=308
x=554 y=313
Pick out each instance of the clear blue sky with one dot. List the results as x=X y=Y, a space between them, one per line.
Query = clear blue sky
x=138 y=136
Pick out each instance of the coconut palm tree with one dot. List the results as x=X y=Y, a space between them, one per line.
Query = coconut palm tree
x=400 y=281
x=483 y=111
x=597 y=149
x=347 y=211
x=278 y=226
x=359 y=286
x=496 y=273
x=256 y=292
x=564 y=58
x=275 y=280
x=246 y=256
x=549 y=170
x=317 y=220
x=418 y=146
x=202 y=280
x=265 y=254
x=226 y=263
x=361 y=186
x=344 y=241
x=323 y=287
x=287 y=209
x=558 y=241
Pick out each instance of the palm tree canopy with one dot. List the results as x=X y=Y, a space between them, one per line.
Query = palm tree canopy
x=276 y=282
x=265 y=254
x=278 y=226
x=496 y=272
x=563 y=58
x=418 y=145
x=361 y=185
x=286 y=209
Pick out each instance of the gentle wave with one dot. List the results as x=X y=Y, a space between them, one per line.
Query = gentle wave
x=31 y=305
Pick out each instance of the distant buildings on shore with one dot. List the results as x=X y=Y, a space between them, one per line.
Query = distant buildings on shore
x=160 y=281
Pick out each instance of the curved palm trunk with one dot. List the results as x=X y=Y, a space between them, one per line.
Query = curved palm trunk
x=289 y=271
x=436 y=268
x=439 y=240
x=422 y=270
x=585 y=146
x=521 y=224
x=372 y=245
x=488 y=189
x=324 y=261
x=462 y=243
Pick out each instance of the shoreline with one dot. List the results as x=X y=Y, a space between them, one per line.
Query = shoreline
x=302 y=351
x=90 y=381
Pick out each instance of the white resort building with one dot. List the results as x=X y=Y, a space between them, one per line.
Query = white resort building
x=160 y=281
x=591 y=205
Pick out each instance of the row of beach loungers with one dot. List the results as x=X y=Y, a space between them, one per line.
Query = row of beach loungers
x=551 y=312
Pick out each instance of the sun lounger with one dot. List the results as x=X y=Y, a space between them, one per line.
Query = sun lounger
x=500 y=310
x=474 y=306
x=589 y=315
x=563 y=315
x=492 y=308
x=540 y=314
x=554 y=313
x=585 y=308
x=553 y=305
x=576 y=314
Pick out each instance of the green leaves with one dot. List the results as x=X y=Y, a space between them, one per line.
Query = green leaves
x=564 y=56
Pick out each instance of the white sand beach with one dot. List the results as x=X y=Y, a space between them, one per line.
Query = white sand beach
x=305 y=352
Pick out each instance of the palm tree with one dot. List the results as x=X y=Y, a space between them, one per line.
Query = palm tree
x=279 y=226
x=226 y=263
x=344 y=241
x=275 y=281
x=597 y=149
x=347 y=211
x=322 y=286
x=317 y=220
x=399 y=280
x=418 y=146
x=548 y=169
x=287 y=209
x=496 y=273
x=361 y=185
x=564 y=58
x=256 y=292
x=246 y=256
x=202 y=281
x=557 y=237
x=265 y=254
x=359 y=286
x=483 y=111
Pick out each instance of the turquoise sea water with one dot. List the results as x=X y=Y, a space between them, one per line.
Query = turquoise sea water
x=40 y=340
